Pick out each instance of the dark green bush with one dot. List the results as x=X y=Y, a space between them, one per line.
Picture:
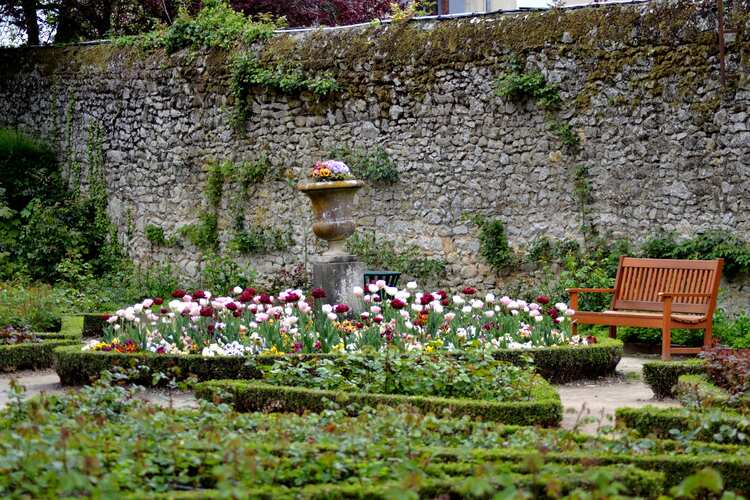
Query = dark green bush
x=28 y=170
x=30 y=356
x=713 y=244
x=662 y=376
x=543 y=409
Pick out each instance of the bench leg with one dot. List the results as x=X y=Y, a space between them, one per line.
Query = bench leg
x=666 y=343
x=708 y=337
x=574 y=327
x=612 y=331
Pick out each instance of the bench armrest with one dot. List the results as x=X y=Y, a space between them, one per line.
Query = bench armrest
x=663 y=295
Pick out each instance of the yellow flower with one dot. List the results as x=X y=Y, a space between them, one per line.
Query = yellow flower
x=338 y=347
x=325 y=172
x=271 y=351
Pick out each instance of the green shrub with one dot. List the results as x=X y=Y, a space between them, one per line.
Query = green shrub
x=685 y=424
x=371 y=165
x=733 y=333
x=522 y=86
x=662 y=376
x=28 y=170
x=260 y=240
x=680 y=336
x=29 y=307
x=493 y=243
x=563 y=364
x=215 y=25
x=712 y=244
x=544 y=408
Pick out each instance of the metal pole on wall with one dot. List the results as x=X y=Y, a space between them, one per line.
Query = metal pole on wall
x=722 y=68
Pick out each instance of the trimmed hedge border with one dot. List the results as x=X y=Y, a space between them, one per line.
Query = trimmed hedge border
x=556 y=364
x=544 y=409
x=637 y=482
x=30 y=356
x=567 y=364
x=662 y=376
x=71 y=330
x=658 y=422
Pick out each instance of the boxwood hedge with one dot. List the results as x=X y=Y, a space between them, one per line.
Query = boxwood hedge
x=662 y=375
x=727 y=426
x=31 y=356
x=544 y=409
x=556 y=364
x=635 y=482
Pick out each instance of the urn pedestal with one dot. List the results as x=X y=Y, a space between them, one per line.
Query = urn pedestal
x=335 y=271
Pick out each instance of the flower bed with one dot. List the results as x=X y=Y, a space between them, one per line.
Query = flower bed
x=698 y=392
x=23 y=350
x=409 y=320
x=556 y=364
x=474 y=386
x=113 y=444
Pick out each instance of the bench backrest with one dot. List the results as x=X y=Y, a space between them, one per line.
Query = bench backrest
x=639 y=282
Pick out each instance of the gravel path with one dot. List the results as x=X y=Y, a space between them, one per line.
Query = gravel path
x=592 y=404
x=48 y=382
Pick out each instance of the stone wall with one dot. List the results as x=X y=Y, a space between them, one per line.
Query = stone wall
x=666 y=149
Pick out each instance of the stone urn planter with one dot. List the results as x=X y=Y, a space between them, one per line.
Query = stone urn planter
x=332 y=204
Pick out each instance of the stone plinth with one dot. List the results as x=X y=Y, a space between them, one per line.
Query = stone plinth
x=338 y=275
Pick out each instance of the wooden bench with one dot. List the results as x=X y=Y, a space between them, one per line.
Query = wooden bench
x=658 y=293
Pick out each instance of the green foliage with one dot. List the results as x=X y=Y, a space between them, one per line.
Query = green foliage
x=543 y=250
x=662 y=376
x=493 y=243
x=518 y=86
x=248 y=73
x=680 y=336
x=387 y=255
x=543 y=408
x=204 y=234
x=29 y=307
x=570 y=140
x=712 y=244
x=473 y=376
x=698 y=392
x=260 y=240
x=122 y=287
x=372 y=165
x=28 y=170
x=105 y=441
x=732 y=332
x=155 y=234
x=215 y=184
x=224 y=273
x=216 y=25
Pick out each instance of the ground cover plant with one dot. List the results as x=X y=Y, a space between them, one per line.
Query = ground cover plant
x=407 y=319
x=104 y=441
